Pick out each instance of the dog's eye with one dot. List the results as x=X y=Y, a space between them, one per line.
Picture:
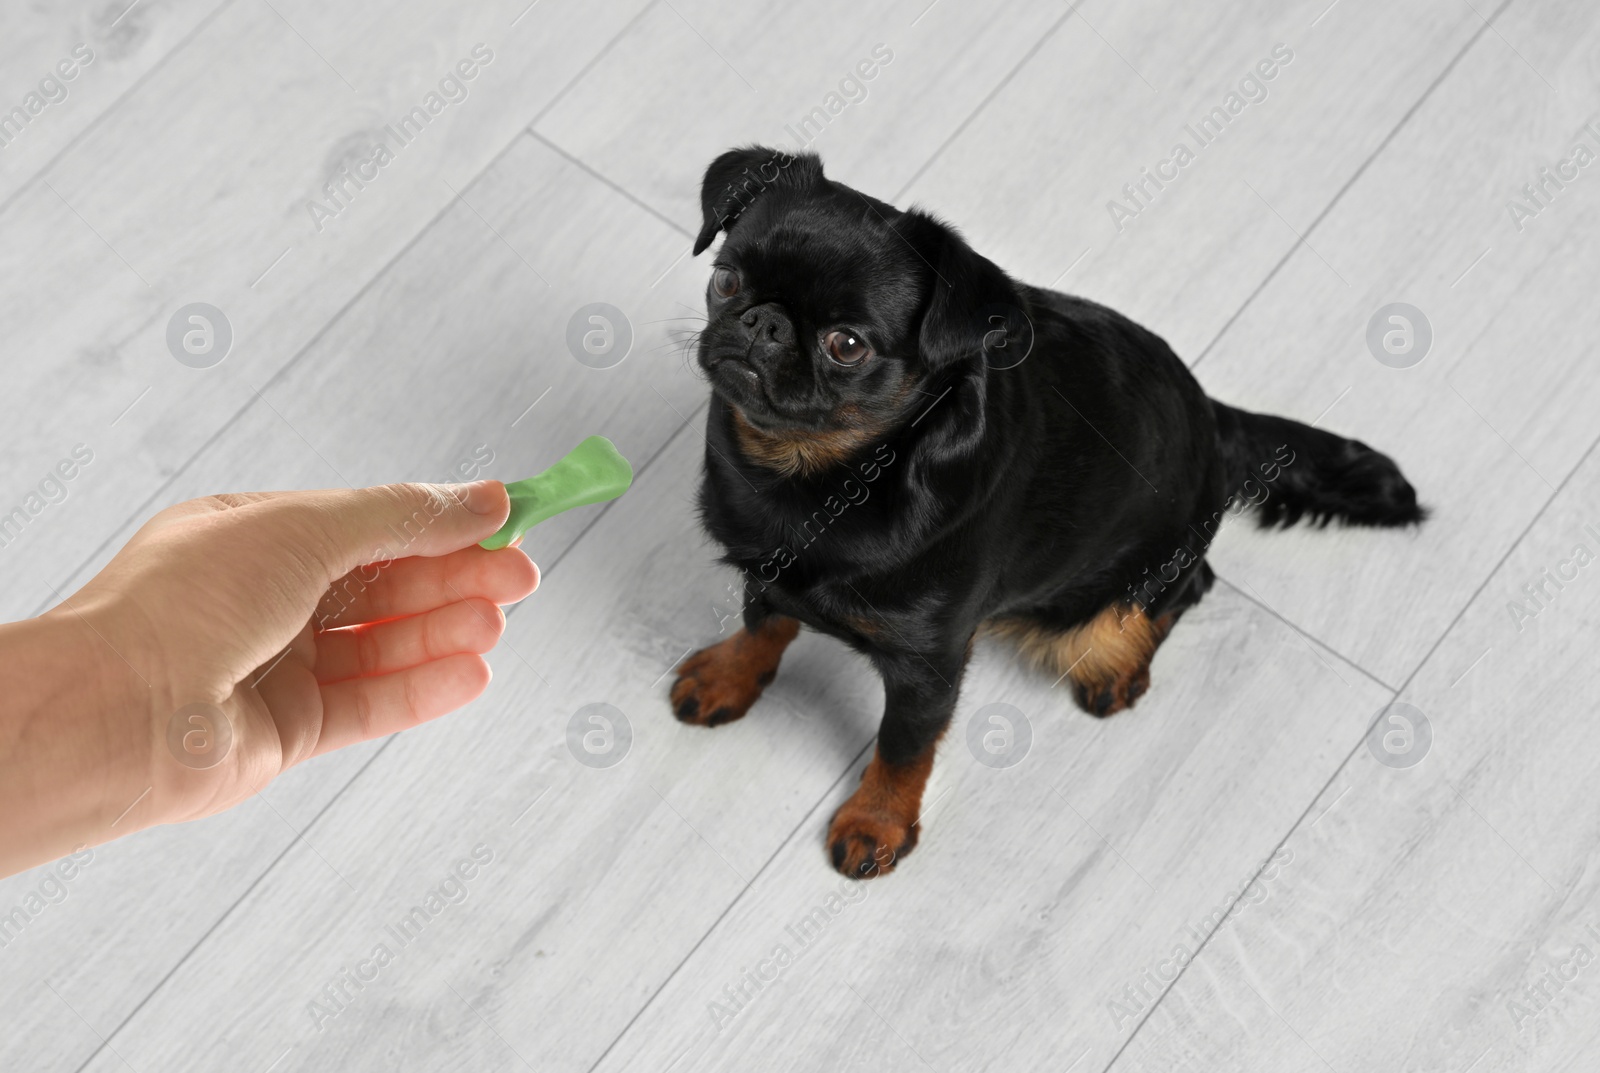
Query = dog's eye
x=725 y=281
x=846 y=347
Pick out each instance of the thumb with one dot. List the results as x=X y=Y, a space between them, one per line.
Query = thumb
x=346 y=528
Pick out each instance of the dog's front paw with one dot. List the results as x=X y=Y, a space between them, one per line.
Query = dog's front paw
x=865 y=841
x=718 y=684
x=712 y=689
x=878 y=825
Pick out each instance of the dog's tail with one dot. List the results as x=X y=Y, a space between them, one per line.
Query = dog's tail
x=1312 y=474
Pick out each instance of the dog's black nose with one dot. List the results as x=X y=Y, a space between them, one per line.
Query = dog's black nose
x=771 y=331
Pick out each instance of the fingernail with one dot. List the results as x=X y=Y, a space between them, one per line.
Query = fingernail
x=480 y=497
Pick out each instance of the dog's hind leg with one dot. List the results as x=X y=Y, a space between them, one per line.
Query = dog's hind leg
x=1107 y=659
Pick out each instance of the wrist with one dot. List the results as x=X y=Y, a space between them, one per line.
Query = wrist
x=76 y=738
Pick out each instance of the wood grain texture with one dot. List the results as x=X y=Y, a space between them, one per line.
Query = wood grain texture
x=75 y=968
x=1438 y=920
x=604 y=878
x=1112 y=92
x=1500 y=410
x=115 y=45
x=1037 y=892
x=746 y=73
x=392 y=391
x=1039 y=923
x=197 y=190
x=1439 y=915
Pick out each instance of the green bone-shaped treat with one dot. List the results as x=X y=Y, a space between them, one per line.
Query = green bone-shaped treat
x=592 y=472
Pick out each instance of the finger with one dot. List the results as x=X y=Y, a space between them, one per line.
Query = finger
x=293 y=701
x=411 y=586
x=341 y=529
x=365 y=708
x=382 y=648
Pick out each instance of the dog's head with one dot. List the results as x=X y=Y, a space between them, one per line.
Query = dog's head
x=833 y=318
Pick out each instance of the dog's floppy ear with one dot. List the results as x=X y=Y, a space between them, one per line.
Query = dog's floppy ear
x=974 y=308
x=738 y=177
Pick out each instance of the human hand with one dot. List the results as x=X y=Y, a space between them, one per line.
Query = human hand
x=268 y=628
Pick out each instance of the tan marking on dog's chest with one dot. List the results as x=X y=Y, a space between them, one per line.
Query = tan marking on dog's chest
x=799 y=454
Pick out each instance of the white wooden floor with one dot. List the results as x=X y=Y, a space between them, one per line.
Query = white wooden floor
x=1227 y=878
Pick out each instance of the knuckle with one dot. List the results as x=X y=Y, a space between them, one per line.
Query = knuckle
x=363 y=713
x=411 y=699
x=430 y=639
x=369 y=651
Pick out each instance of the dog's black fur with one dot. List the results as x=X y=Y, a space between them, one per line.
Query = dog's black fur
x=1006 y=455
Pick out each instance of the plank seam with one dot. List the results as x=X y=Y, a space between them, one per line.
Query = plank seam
x=984 y=103
x=684 y=231
x=737 y=898
x=228 y=912
x=338 y=794
x=1354 y=750
x=1427 y=93
x=1360 y=171
x=143 y=509
x=1346 y=660
x=300 y=354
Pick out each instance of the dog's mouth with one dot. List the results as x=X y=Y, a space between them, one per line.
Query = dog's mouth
x=734 y=371
x=737 y=381
x=743 y=388
x=746 y=389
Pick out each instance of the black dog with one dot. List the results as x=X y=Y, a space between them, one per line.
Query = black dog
x=906 y=446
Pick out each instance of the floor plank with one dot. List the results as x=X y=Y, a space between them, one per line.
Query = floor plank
x=1435 y=900
x=1028 y=180
x=1400 y=911
x=1433 y=916
x=1501 y=408
x=392 y=391
x=766 y=66
x=129 y=230
x=642 y=856
x=1038 y=891
x=132 y=909
x=78 y=58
